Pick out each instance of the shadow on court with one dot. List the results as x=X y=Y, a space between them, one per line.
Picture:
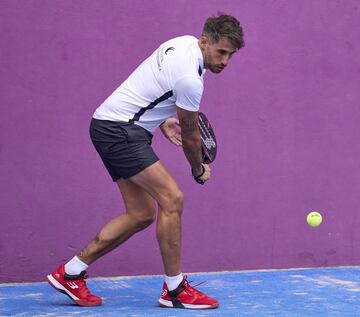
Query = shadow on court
x=327 y=292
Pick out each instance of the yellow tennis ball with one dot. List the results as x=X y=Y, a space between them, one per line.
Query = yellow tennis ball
x=314 y=219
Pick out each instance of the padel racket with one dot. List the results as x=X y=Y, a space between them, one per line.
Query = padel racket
x=208 y=140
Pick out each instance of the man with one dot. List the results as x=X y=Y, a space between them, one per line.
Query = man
x=168 y=83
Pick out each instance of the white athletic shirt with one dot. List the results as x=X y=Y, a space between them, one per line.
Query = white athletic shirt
x=172 y=76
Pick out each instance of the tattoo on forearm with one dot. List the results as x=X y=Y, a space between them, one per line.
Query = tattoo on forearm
x=188 y=125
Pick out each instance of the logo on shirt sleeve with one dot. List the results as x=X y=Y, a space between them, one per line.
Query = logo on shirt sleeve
x=169 y=49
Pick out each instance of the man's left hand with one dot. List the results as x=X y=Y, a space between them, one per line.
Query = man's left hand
x=171 y=130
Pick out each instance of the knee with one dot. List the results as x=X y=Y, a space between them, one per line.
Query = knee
x=174 y=203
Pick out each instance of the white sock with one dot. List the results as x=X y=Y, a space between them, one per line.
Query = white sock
x=75 y=266
x=173 y=282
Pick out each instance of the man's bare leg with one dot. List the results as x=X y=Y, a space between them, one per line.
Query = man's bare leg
x=139 y=193
x=140 y=213
x=161 y=186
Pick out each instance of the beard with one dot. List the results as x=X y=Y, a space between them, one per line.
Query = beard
x=216 y=68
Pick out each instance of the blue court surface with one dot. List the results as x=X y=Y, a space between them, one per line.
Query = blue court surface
x=300 y=292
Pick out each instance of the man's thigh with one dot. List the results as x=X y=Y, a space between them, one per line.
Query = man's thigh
x=137 y=200
x=157 y=181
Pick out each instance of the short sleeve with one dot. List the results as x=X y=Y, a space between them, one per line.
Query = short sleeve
x=188 y=92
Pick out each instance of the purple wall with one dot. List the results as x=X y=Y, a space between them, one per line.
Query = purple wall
x=286 y=113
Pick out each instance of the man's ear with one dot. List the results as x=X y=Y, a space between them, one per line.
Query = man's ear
x=203 y=41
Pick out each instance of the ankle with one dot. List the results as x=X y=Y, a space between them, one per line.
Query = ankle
x=75 y=266
x=173 y=282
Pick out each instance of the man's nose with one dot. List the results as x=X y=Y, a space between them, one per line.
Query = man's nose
x=225 y=60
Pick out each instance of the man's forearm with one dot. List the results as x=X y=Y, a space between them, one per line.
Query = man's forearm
x=191 y=141
x=192 y=149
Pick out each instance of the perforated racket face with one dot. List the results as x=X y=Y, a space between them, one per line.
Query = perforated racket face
x=208 y=140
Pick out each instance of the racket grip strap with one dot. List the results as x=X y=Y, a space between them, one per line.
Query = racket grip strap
x=197 y=178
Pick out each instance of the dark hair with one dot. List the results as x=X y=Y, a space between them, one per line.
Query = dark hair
x=224 y=26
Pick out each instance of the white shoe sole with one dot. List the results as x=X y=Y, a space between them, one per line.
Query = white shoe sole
x=169 y=304
x=55 y=284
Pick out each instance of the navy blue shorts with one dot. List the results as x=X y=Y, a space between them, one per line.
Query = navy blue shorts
x=125 y=148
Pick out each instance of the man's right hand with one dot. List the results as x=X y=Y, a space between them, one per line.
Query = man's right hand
x=204 y=175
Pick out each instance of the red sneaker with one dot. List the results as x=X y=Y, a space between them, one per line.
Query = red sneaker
x=73 y=286
x=186 y=296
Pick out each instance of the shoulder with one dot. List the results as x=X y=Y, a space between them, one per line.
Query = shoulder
x=179 y=56
x=178 y=48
